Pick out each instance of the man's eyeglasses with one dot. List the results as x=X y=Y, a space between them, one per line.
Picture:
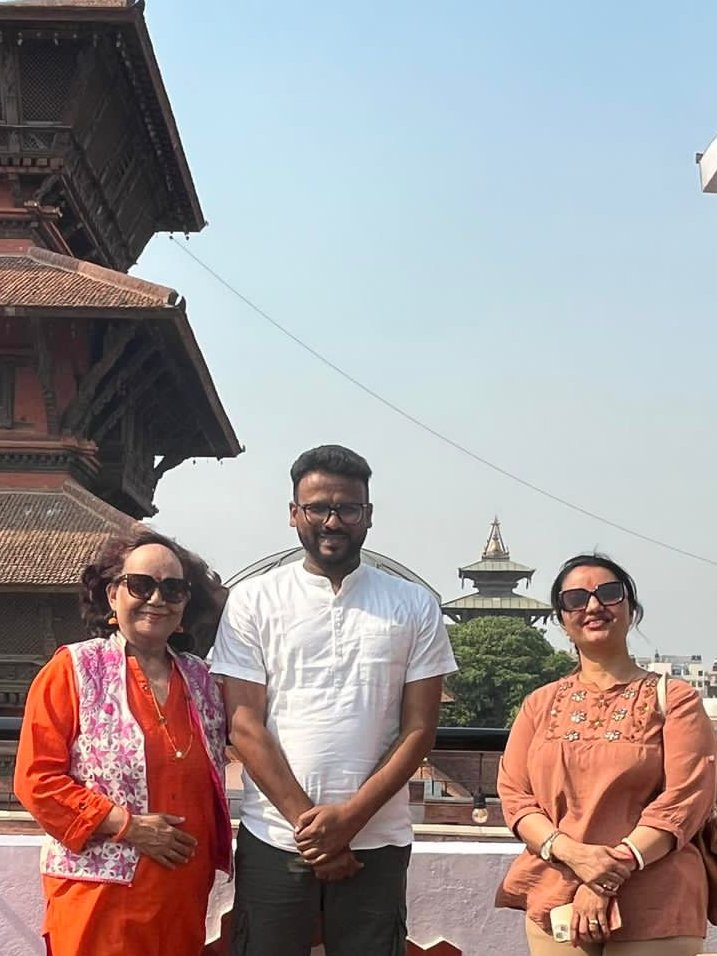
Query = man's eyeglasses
x=319 y=513
x=577 y=599
x=143 y=586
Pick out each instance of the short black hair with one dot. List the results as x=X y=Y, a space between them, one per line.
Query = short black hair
x=333 y=460
x=596 y=560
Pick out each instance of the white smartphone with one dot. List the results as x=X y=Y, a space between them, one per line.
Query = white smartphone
x=561 y=918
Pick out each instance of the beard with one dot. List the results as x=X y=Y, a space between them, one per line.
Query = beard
x=346 y=549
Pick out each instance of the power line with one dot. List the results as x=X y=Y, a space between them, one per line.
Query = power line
x=432 y=431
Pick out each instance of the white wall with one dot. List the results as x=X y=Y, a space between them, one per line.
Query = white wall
x=451 y=887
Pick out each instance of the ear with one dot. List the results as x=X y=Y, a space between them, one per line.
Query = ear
x=293 y=510
x=369 y=516
x=111 y=592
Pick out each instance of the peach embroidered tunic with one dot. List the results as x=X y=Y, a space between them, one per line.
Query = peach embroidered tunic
x=597 y=764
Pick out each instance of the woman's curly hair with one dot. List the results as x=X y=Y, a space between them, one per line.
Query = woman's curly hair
x=201 y=615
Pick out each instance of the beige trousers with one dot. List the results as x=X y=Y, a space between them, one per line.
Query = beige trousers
x=541 y=944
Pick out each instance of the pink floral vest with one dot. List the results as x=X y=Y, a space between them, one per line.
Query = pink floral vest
x=108 y=756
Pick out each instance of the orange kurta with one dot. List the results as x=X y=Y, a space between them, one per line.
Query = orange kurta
x=597 y=763
x=163 y=911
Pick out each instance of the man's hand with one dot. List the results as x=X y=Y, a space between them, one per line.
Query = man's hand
x=156 y=835
x=341 y=867
x=322 y=832
x=590 y=917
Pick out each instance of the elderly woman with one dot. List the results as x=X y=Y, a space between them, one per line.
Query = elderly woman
x=606 y=790
x=121 y=760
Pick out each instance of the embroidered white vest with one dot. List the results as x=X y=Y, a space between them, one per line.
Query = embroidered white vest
x=108 y=754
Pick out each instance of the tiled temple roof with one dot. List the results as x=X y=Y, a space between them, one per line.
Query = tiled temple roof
x=48 y=537
x=514 y=602
x=39 y=277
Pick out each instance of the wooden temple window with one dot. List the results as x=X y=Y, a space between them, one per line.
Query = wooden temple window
x=46 y=74
x=7 y=393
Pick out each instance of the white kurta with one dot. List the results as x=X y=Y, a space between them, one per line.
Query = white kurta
x=334 y=666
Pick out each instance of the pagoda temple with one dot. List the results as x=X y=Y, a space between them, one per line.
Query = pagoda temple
x=495 y=578
x=103 y=388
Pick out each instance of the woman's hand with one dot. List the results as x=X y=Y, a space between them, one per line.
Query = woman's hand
x=604 y=868
x=157 y=835
x=590 y=917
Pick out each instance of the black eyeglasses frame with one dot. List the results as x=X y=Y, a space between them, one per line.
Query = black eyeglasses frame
x=335 y=510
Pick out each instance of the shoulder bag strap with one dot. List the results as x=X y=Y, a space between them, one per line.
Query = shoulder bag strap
x=662 y=695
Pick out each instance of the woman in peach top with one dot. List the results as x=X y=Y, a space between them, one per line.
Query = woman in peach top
x=604 y=791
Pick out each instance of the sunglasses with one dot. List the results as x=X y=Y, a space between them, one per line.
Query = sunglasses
x=143 y=586
x=577 y=599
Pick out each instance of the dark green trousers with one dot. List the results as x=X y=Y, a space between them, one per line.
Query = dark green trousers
x=279 y=902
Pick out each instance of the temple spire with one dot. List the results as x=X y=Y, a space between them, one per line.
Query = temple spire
x=495 y=578
x=495 y=549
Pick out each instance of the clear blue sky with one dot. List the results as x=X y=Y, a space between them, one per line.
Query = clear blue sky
x=491 y=214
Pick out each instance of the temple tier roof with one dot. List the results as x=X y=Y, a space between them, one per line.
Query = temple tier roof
x=495 y=563
x=43 y=284
x=146 y=391
x=494 y=577
x=497 y=566
x=47 y=537
x=515 y=602
x=39 y=278
x=89 y=130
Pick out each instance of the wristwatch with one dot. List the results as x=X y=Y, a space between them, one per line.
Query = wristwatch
x=546 y=848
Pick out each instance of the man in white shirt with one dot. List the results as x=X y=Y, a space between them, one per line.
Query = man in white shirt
x=332 y=673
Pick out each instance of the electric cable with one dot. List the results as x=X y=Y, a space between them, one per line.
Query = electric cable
x=407 y=416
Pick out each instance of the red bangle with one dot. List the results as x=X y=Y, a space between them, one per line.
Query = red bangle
x=122 y=832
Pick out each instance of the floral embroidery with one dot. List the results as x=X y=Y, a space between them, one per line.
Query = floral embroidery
x=566 y=685
x=108 y=754
x=620 y=714
x=597 y=722
x=612 y=735
x=578 y=716
x=571 y=735
x=579 y=696
x=629 y=693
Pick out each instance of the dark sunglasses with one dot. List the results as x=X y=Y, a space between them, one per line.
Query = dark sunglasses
x=577 y=599
x=143 y=586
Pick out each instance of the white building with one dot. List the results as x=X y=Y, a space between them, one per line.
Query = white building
x=689 y=668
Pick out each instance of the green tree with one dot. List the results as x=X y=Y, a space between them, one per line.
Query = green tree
x=500 y=660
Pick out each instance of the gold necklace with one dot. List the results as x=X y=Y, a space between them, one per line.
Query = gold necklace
x=179 y=754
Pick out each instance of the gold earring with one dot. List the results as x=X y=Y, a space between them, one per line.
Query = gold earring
x=112 y=619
